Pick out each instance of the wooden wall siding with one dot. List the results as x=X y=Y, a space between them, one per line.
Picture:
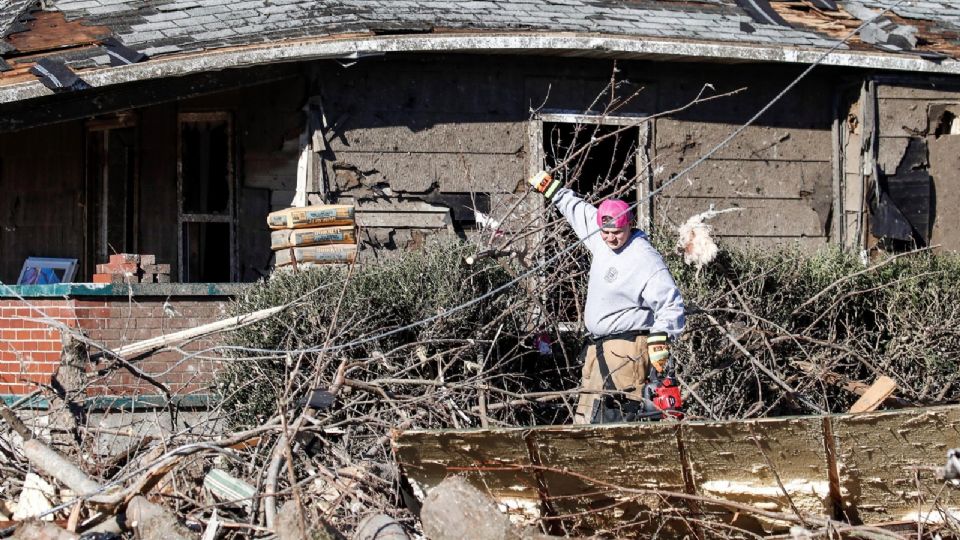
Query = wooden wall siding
x=854 y=190
x=158 y=183
x=904 y=114
x=429 y=130
x=778 y=171
x=41 y=196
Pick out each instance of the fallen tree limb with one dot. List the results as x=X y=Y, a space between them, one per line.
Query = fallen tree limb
x=766 y=371
x=15 y=422
x=53 y=464
x=149 y=345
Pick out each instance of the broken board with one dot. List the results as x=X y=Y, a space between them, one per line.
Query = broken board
x=626 y=478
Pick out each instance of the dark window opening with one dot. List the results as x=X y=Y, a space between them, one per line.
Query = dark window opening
x=205 y=148
x=206 y=246
x=112 y=191
x=206 y=194
x=599 y=159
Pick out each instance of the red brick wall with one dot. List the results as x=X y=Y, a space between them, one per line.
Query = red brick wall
x=30 y=350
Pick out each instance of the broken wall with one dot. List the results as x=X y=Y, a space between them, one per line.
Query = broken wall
x=418 y=142
x=414 y=134
x=777 y=173
x=918 y=159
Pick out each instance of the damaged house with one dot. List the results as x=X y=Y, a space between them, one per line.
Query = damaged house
x=172 y=127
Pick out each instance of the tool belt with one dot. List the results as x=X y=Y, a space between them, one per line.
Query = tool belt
x=614 y=406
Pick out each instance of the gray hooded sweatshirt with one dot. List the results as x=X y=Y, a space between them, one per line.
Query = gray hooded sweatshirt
x=629 y=289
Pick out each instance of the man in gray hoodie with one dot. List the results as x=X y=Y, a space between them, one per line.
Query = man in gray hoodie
x=633 y=306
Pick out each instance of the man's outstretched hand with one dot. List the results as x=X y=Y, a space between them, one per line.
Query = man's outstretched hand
x=544 y=183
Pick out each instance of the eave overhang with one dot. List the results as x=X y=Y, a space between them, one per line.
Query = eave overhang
x=349 y=47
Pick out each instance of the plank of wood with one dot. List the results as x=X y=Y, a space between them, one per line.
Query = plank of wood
x=749 y=179
x=451 y=172
x=871 y=474
x=684 y=141
x=945 y=169
x=757 y=217
x=152 y=344
x=880 y=390
x=880 y=453
x=743 y=461
x=655 y=463
x=404 y=133
x=854 y=387
x=494 y=460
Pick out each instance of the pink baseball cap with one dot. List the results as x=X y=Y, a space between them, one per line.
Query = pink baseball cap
x=613 y=214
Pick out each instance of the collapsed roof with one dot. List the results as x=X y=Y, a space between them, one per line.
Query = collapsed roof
x=163 y=38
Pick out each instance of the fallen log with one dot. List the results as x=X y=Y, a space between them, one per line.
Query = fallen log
x=53 y=464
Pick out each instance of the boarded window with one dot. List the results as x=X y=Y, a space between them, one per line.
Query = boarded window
x=206 y=194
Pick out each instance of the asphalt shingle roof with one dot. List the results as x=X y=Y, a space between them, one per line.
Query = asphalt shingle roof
x=945 y=12
x=159 y=27
x=9 y=11
x=198 y=24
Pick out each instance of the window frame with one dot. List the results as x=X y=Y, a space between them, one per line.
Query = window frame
x=230 y=217
x=643 y=123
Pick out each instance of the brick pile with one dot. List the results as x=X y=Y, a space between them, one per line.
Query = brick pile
x=132 y=268
x=321 y=234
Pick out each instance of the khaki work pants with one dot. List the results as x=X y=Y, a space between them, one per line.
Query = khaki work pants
x=627 y=361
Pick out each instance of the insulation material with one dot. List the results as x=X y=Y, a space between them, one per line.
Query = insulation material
x=34 y=499
x=344 y=234
x=333 y=254
x=311 y=216
x=695 y=242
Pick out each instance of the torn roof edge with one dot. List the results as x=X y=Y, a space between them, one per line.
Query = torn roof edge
x=352 y=46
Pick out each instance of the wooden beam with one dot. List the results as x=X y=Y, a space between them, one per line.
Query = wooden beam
x=880 y=390
x=89 y=103
x=149 y=345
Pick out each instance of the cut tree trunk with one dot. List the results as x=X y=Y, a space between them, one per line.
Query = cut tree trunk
x=68 y=383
